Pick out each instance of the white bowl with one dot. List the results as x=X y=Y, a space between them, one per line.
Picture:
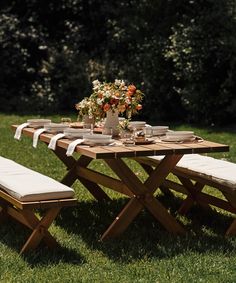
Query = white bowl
x=137 y=124
x=55 y=127
x=159 y=130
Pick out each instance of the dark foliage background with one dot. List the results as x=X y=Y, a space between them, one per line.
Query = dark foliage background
x=181 y=53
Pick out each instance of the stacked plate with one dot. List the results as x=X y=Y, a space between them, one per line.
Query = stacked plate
x=55 y=128
x=179 y=136
x=138 y=125
x=38 y=123
x=73 y=133
x=97 y=139
x=159 y=130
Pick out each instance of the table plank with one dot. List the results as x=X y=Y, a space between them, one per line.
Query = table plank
x=159 y=148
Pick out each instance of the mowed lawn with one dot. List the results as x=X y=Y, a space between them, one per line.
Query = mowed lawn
x=144 y=253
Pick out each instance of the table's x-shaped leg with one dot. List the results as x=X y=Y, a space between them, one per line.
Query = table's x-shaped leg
x=143 y=196
x=72 y=175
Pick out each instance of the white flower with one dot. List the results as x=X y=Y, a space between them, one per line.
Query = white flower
x=122 y=84
x=95 y=88
x=117 y=82
x=96 y=83
x=99 y=101
x=127 y=101
x=107 y=93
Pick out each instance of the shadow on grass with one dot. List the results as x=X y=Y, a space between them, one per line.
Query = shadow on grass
x=145 y=237
x=14 y=235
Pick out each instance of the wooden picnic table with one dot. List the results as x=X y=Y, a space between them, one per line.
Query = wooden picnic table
x=140 y=194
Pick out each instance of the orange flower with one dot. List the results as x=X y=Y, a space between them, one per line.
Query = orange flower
x=139 y=107
x=117 y=94
x=132 y=88
x=100 y=95
x=122 y=108
x=106 y=107
x=129 y=93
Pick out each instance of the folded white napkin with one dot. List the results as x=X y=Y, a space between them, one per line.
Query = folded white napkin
x=53 y=141
x=19 y=130
x=72 y=146
x=36 y=135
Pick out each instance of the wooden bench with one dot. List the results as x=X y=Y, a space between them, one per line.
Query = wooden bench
x=194 y=172
x=22 y=191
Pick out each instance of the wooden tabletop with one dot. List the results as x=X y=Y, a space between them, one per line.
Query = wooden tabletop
x=104 y=152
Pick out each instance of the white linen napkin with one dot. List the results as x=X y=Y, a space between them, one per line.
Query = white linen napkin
x=72 y=146
x=19 y=130
x=36 y=135
x=53 y=141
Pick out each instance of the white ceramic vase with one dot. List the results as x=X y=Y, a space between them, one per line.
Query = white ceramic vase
x=111 y=123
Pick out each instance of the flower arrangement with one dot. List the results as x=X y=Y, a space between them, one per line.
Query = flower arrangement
x=85 y=107
x=116 y=96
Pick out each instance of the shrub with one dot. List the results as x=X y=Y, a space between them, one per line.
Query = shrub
x=202 y=50
x=180 y=53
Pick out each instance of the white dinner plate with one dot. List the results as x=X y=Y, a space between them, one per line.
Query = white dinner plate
x=180 y=133
x=71 y=133
x=177 y=139
x=36 y=123
x=97 y=137
x=98 y=142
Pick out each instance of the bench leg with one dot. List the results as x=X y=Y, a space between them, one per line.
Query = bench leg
x=231 y=231
x=3 y=211
x=40 y=229
x=231 y=197
x=3 y=214
x=193 y=190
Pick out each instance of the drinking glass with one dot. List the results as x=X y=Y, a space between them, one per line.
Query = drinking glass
x=148 y=132
x=88 y=126
x=66 y=120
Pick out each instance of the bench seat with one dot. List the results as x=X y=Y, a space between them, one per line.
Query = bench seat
x=194 y=171
x=209 y=168
x=22 y=191
x=27 y=185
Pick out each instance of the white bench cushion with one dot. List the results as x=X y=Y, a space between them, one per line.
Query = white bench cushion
x=220 y=171
x=27 y=185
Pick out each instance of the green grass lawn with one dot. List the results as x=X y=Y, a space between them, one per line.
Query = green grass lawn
x=144 y=253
